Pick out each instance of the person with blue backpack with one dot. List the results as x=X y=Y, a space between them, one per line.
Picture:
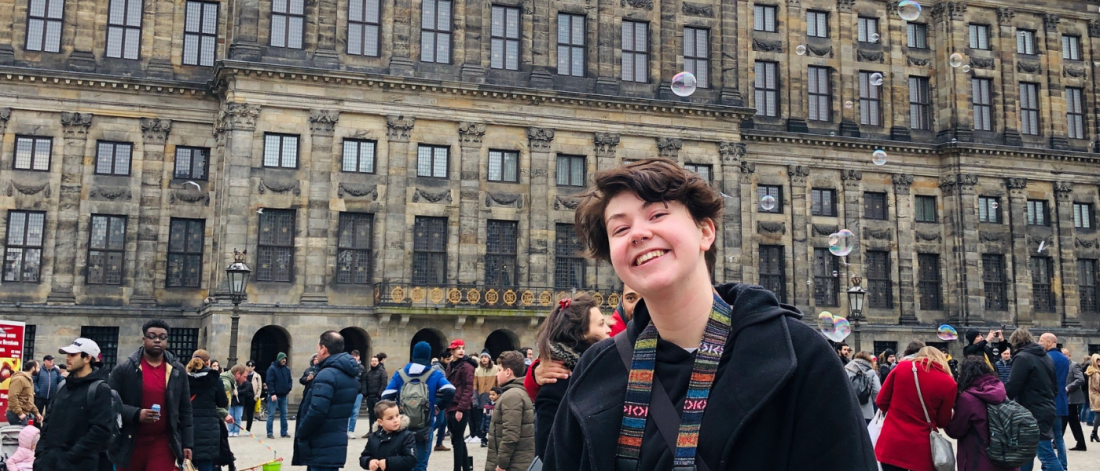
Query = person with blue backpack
x=419 y=390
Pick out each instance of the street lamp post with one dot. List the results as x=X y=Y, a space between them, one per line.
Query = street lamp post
x=237 y=276
x=855 y=307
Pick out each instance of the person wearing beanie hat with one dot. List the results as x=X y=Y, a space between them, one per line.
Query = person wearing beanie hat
x=979 y=345
x=440 y=394
x=485 y=379
x=886 y=364
x=279 y=384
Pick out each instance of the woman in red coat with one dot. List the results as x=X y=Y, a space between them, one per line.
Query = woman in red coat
x=978 y=386
x=903 y=443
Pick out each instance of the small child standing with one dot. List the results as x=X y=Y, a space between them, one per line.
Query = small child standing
x=487 y=414
x=23 y=459
x=391 y=447
x=512 y=433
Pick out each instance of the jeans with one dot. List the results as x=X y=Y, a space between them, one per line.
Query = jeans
x=13 y=418
x=423 y=451
x=204 y=465
x=280 y=406
x=1046 y=457
x=236 y=412
x=458 y=439
x=355 y=413
x=441 y=427
x=1059 y=444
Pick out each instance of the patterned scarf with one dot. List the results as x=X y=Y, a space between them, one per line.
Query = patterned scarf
x=640 y=385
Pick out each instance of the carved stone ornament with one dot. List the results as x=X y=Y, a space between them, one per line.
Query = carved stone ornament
x=76 y=124
x=112 y=194
x=748 y=168
x=845 y=6
x=982 y=63
x=189 y=197
x=1063 y=190
x=820 y=51
x=760 y=45
x=155 y=130
x=1094 y=28
x=357 y=191
x=869 y=56
x=567 y=203
x=539 y=139
x=731 y=152
x=399 y=127
x=1086 y=244
x=444 y=195
x=878 y=234
x=237 y=117
x=605 y=143
x=1016 y=183
x=323 y=122
x=820 y=230
x=767 y=227
x=647 y=4
x=470 y=133
x=902 y=182
x=28 y=189
x=992 y=237
x=669 y=147
x=913 y=61
x=798 y=174
x=1050 y=22
x=794 y=3
x=504 y=199
x=5 y=114
x=295 y=187
x=698 y=9
x=956 y=10
x=928 y=236
x=1074 y=70
x=1029 y=67
x=1005 y=16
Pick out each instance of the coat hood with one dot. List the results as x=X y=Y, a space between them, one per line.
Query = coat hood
x=750 y=305
x=1032 y=348
x=98 y=374
x=341 y=361
x=989 y=389
x=863 y=365
x=28 y=437
x=202 y=380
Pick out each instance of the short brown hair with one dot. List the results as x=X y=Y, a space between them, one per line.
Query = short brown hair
x=382 y=406
x=653 y=181
x=238 y=369
x=512 y=360
x=568 y=326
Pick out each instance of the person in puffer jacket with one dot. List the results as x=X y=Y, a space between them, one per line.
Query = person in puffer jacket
x=23 y=459
x=392 y=447
x=512 y=433
x=321 y=438
x=209 y=405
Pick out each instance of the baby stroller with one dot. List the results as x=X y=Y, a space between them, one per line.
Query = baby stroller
x=9 y=443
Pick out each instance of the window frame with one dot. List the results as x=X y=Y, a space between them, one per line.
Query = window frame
x=282 y=153
x=870 y=100
x=29 y=331
x=1071 y=47
x=1025 y=42
x=916 y=35
x=114 y=157
x=929 y=282
x=359 y=158
x=923 y=207
x=201 y=35
x=985 y=204
x=1087 y=285
x=568 y=249
x=762 y=91
x=433 y=164
x=707 y=170
x=776 y=191
x=125 y=29
x=190 y=175
x=429 y=257
x=35 y=142
x=186 y=256
x=573 y=163
x=818 y=100
x=287 y=17
x=364 y=25
x=570 y=48
x=817 y=200
x=360 y=251
x=826 y=284
x=46 y=21
x=1029 y=109
x=436 y=32
x=108 y=347
x=501 y=260
x=816 y=21
x=504 y=39
x=1038 y=213
x=503 y=155
x=920 y=103
x=773 y=255
x=183 y=341
x=870 y=211
x=1075 y=113
x=1042 y=292
x=103 y=279
x=995 y=286
x=637 y=57
x=24 y=247
x=1083 y=216
x=880 y=285
x=981 y=100
x=866 y=26
x=760 y=18
x=977 y=34
x=273 y=249
x=694 y=62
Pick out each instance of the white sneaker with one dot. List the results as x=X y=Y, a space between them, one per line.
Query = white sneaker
x=473 y=440
x=351 y=436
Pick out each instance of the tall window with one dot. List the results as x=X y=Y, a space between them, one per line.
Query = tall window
x=432 y=161
x=500 y=253
x=124 y=29
x=570 y=170
x=504 y=38
x=983 y=103
x=702 y=170
x=23 y=252
x=925 y=209
x=1075 y=113
x=275 y=254
x=775 y=191
x=979 y=37
x=874 y=206
x=107 y=339
x=113 y=158
x=1037 y=213
x=186 y=238
x=44 y=25
x=763 y=18
x=571 y=34
x=1082 y=215
x=635 y=43
x=353 y=248
x=696 y=54
x=28 y=340
x=1029 y=108
x=880 y=289
x=870 y=101
x=32 y=153
x=358 y=156
x=1086 y=285
x=288 y=18
x=107 y=250
x=504 y=166
x=182 y=342
x=867 y=29
x=916 y=35
x=364 y=27
x=767 y=88
x=993 y=278
x=569 y=261
x=1071 y=48
x=823 y=202
x=280 y=150
x=430 y=250
x=772 y=273
x=191 y=163
x=817 y=24
x=989 y=209
x=1041 y=267
x=819 y=93
x=200 y=33
x=920 y=103
x=1025 y=42
x=826 y=278
x=435 y=31
x=929 y=284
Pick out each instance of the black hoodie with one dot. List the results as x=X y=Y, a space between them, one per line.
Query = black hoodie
x=74 y=432
x=1033 y=384
x=780 y=400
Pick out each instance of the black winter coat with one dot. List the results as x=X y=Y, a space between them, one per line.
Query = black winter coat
x=321 y=435
x=780 y=400
x=245 y=393
x=75 y=433
x=547 y=404
x=304 y=380
x=398 y=449
x=985 y=348
x=209 y=395
x=126 y=378
x=1033 y=385
x=278 y=380
x=376 y=380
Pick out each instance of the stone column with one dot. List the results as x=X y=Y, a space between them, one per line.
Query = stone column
x=668 y=47
x=748 y=204
x=322 y=125
x=730 y=93
x=154 y=131
x=160 y=64
x=954 y=122
x=1067 y=255
x=470 y=138
x=605 y=144
x=1021 y=254
x=237 y=123
x=906 y=278
x=540 y=263
x=75 y=126
x=607 y=83
x=472 y=70
x=245 y=31
x=7 y=52
x=895 y=39
x=853 y=212
x=800 y=227
x=967 y=215
x=1055 y=123
x=400 y=60
x=398 y=129
x=796 y=69
x=848 y=76
x=542 y=74
x=731 y=253
x=326 y=56
x=82 y=59
x=1010 y=90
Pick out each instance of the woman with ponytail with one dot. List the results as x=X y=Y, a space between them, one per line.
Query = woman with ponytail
x=209 y=407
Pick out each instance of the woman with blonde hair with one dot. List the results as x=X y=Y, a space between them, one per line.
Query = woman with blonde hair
x=904 y=443
x=208 y=408
x=1093 y=372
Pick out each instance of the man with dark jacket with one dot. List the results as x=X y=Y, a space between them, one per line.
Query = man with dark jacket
x=152 y=440
x=1077 y=388
x=374 y=382
x=978 y=345
x=320 y=439
x=46 y=382
x=1033 y=385
x=76 y=432
x=1004 y=365
x=1049 y=342
x=460 y=374
x=278 y=385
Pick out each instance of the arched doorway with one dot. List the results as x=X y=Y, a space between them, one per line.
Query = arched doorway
x=356 y=339
x=434 y=338
x=267 y=343
x=500 y=341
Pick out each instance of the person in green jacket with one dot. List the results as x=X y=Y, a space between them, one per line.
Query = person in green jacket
x=512 y=432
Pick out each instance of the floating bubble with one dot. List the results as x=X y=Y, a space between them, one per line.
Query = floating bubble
x=832 y=133
x=874 y=37
x=836 y=274
x=848 y=104
x=876 y=79
x=842 y=242
x=767 y=203
x=947 y=333
x=834 y=328
x=800 y=50
x=994 y=205
x=956 y=60
x=683 y=84
x=966 y=69
x=909 y=10
x=878 y=157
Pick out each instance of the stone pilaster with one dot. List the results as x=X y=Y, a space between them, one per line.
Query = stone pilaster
x=853 y=213
x=848 y=76
x=1055 y=123
x=973 y=289
x=154 y=132
x=400 y=60
x=606 y=145
x=237 y=125
x=326 y=56
x=800 y=228
x=244 y=45
x=607 y=82
x=75 y=126
x=82 y=59
x=796 y=70
x=894 y=39
x=749 y=203
x=5 y=115
x=1021 y=254
x=472 y=70
x=955 y=123
x=398 y=129
x=1067 y=255
x=540 y=271
x=729 y=257
x=542 y=74
x=906 y=279
x=160 y=64
x=730 y=93
x=7 y=52
x=470 y=140
x=319 y=267
x=1010 y=90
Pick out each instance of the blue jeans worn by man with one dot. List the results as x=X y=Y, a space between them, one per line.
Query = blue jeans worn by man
x=277 y=406
x=1046 y=456
x=440 y=427
x=1060 y=444
x=236 y=412
x=423 y=452
x=355 y=413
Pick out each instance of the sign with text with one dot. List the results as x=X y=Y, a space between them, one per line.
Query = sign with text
x=11 y=357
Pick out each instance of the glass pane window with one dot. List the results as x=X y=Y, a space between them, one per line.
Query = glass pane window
x=870 y=101
x=635 y=52
x=32 y=153
x=1086 y=285
x=107 y=339
x=979 y=37
x=775 y=191
x=504 y=166
x=435 y=31
x=983 y=103
x=704 y=171
x=106 y=251
x=358 y=156
x=823 y=202
x=500 y=253
x=920 y=103
x=430 y=250
x=867 y=29
x=1037 y=213
x=773 y=271
x=1082 y=215
x=191 y=163
x=994 y=281
x=874 y=206
x=288 y=23
x=989 y=209
x=280 y=150
x=1071 y=48
x=186 y=239
x=817 y=24
x=925 y=209
x=880 y=288
x=504 y=38
x=23 y=249
x=826 y=278
x=1025 y=42
x=275 y=254
x=696 y=54
x=1075 y=113
x=200 y=33
x=1029 y=108
x=767 y=88
x=124 y=29
x=569 y=261
x=353 y=248
x=44 y=20
x=364 y=27
x=1041 y=268
x=818 y=79
x=764 y=18
x=571 y=36
x=432 y=161
x=929 y=283
x=182 y=342
x=113 y=158
x=571 y=170
x=29 y=331
x=916 y=35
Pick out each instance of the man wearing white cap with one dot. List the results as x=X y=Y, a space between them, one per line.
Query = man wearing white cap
x=77 y=425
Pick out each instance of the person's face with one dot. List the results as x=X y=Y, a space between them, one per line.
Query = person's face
x=35 y=370
x=493 y=396
x=655 y=246
x=282 y=362
x=250 y=368
x=322 y=353
x=845 y=351
x=891 y=359
x=74 y=362
x=630 y=299
x=598 y=329
x=240 y=377
x=390 y=420
x=530 y=354
x=484 y=360
x=1067 y=354
x=1006 y=355
x=48 y=363
x=156 y=340
x=356 y=358
x=459 y=352
x=214 y=365
x=373 y=362
x=504 y=375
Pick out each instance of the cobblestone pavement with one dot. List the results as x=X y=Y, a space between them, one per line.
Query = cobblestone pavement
x=250 y=452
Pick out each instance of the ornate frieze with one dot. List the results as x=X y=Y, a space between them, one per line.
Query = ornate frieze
x=444 y=195
x=357 y=191
x=669 y=147
x=155 y=130
x=276 y=187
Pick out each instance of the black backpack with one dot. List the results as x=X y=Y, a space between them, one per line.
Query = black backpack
x=116 y=407
x=1013 y=434
x=863 y=385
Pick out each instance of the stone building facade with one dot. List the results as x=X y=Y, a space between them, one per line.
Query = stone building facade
x=403 y=149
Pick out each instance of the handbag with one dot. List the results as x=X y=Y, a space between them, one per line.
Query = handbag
x=943 y=456
x=874 y=429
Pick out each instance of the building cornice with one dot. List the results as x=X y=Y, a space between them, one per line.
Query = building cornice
x=72 y=79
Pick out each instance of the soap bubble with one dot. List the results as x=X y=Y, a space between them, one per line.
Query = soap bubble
x=842 y=242
x=800 y=50
x=683 y=84
x=878 y=157
x=876 y=79
x=956 y=60
x=994 y=205
x=767 y=203
x=874 y=37
x=848 y=104
x=834 y=328
x=966 y=69
x=836 y=274
x=947 y=333
x=909 y=10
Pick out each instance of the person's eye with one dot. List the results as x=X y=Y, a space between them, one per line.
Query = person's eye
x=658 y=216
x=619 y=230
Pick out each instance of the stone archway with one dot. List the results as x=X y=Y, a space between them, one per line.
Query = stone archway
x=434 y=337
x=357 y=339
x=267 y=343
x=500 y=341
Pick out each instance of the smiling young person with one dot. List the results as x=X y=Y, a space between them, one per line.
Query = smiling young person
x=781 y=401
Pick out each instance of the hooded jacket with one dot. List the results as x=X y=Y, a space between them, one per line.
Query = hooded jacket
x=512 y=430
x=461 y=374
x=865 y=367
x=23 y=458
x=126 y=379
x=1033 y=385
x=970 y=424
x=1093 y=375
x=46 y=382
x=209 y=396
x=440 y=391
x=1076 y=385
x=375 y=380
x=75 y=433
x=21 y=394
x=904 y=440
x=398 y=449
x=321 y=437
x=780 y=400
x=485 y=379
x=278 y=379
